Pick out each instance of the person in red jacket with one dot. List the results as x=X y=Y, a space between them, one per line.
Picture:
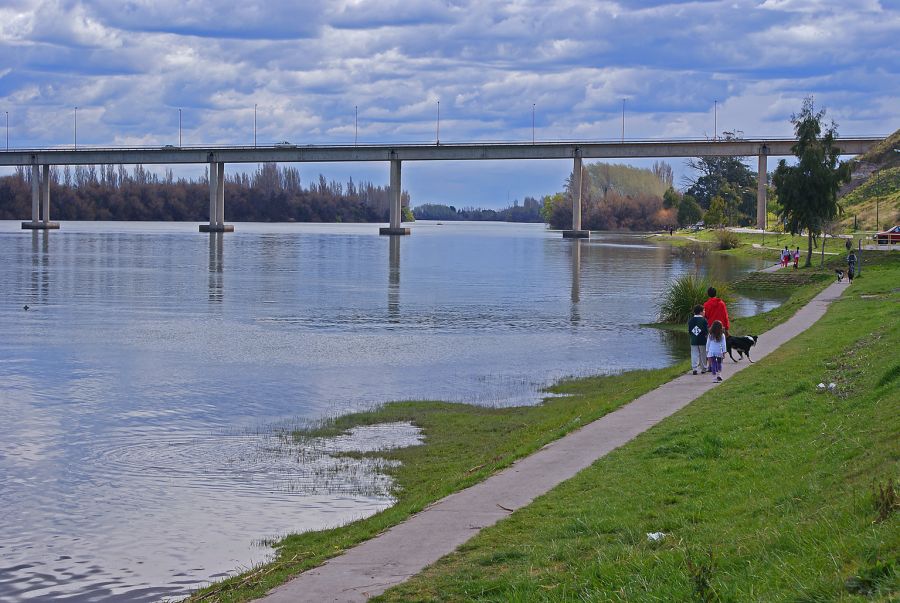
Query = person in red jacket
x=714 y=309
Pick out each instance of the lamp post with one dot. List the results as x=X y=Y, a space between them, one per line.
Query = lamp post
x=623 y=120
x=438 y=134
x=254 y=125
x=76 y=128
x=877 y=220
x=179 y=127
x=7 y=130
x=355 y=124
x=716 y=119
x=532 y=123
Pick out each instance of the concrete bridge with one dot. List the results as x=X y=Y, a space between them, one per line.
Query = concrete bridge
x=40 y=161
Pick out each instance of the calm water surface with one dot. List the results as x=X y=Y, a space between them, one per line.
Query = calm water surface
x=146 y=390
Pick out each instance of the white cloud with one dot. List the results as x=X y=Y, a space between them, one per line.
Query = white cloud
x=131 y=65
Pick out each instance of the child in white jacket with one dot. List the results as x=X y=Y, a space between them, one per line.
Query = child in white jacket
x=715 y=349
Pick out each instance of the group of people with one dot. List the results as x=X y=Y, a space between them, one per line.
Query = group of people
x=708 y=329
x=787 y=255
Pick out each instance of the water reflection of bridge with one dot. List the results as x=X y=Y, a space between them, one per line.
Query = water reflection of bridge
x=40 y=160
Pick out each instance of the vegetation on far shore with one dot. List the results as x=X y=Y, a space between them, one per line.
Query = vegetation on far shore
x=767 y=488
x=529 y=211
x=464 y=444
x=270 y=194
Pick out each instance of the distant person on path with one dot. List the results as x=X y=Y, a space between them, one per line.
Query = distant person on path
x=714 y=309
x=715 y=349
x=697 y=328
x=785 y=256
x=797 y=258
x=851 y=266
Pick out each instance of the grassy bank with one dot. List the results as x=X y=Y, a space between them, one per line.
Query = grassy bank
x=757 y=245
x=464 y=445
x=767 y=488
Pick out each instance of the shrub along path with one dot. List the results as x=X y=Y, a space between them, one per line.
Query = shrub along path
x=404 y=550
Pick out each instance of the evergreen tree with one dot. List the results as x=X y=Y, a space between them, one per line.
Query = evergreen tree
x=689 y=211
x=808 y=191
x=715 y=215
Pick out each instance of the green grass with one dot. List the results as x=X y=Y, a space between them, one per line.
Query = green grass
x=464 y=445
x=768 y=489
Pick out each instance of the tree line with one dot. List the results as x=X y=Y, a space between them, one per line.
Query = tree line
x=529 y=211
x=270 y=194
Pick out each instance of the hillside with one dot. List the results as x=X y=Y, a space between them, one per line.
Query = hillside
x=875 y=187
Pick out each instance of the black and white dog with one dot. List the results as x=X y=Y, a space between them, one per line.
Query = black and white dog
x=840 y=275
x=741 y=345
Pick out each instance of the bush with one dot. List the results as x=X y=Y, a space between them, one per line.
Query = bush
x=693 y=250
x=685 y=292
x=727 y=239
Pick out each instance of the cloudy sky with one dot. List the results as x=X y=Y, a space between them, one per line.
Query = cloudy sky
x=130 y=65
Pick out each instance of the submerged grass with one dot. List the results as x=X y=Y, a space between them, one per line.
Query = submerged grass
x=464 y=444
x=767 y=488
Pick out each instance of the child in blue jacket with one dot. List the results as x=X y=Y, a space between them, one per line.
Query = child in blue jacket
x=697 y=329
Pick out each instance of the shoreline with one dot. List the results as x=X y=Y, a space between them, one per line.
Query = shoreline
x=587 y=399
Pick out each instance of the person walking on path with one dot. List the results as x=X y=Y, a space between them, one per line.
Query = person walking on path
x=697 y=328
x=715 y=350
x=715 y=309
x=785 y=256
x=851 y=266
x=797 y=258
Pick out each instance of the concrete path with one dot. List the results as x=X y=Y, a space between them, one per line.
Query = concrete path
x=394 y=556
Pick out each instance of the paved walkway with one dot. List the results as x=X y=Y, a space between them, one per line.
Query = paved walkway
x=406 y=549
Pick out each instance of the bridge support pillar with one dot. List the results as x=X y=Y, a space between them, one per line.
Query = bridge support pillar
x=40 y=200
x=762 y=180
x=577 y=232
x=216 y=200
x=395 y=203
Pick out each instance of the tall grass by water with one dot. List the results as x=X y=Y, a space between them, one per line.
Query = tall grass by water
x=677 y=302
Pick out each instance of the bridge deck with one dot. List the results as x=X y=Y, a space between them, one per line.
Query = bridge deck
x=286 y=153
